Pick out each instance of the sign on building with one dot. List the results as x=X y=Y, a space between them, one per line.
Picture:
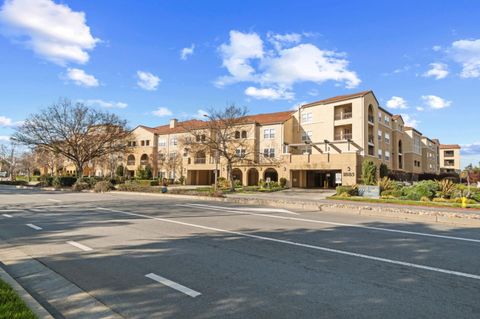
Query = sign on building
x=338 y=178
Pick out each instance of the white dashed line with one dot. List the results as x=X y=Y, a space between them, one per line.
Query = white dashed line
x=292 y=243
x=34 y=226
x=54 y=200
x=6 y=215
x=80 y=246
x=174 y=285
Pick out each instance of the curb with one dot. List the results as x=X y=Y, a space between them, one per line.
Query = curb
x=33 y=304
x=404 y=213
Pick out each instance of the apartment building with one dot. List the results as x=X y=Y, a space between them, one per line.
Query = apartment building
x=322 y=144
x=449 y=158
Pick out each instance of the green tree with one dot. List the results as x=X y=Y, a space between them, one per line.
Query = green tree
x=120 y=171
x=383 y=170
x=369 y=172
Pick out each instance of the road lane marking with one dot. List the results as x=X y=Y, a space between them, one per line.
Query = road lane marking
x=80 y=246
x=220 y=208
x=7 y=215
x=34 y=226
x=292 y=243
x=54 y=200
x=164 y=281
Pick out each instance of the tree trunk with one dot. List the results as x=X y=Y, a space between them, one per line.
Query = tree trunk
x=79 y=168
x=230 y=175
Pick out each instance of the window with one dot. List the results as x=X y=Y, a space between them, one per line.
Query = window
x=172 y=155
x=269 y=152
x=173 y=140
x=244 y=134
x=417 y=147
x=380 y=153
x=134 y=143
x=379 y=116
x=387 y=138
x=237 y=135
x=147 y=142
x=162 y=143
x=387 y=120
x=379 y=135
x=269 y=133
x=387 y=155
x=185 y=152
x=307 y=136
x=240 y=152
x=307 y=117
x=142 y=143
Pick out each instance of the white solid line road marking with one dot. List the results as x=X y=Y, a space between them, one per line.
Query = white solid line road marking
x=220 y=208
x=7 y=215
x=34 y=226
x=78 y=245
x=288 y=242
x=174 y=285
x=54 y=200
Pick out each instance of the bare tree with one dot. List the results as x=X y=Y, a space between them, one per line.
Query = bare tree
x=222 y=137
x=27 y=163
x=48 y=160
x=171 y=163
x=8 y=159
x=75 y=131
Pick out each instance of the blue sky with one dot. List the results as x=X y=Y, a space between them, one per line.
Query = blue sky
x=150 y=61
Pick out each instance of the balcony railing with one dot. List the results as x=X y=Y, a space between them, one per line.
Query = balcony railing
x=371 y=118
x=342 y=137
x=343 y=116
x=200 y=160
x=130 y=163
x=370 y=139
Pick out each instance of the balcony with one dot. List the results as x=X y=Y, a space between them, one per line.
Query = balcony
x=371 y=140
x=343 y=116
x=371 y=119
x=343 y=137
x=200 y=160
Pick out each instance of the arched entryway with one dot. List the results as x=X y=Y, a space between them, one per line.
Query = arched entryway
x=270 y=174
x=237 y=176
x=252 y=175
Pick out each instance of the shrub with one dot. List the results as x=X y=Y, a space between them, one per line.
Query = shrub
x=344 y=194
x=369 y=172
x=440 y=200
x=155 y=183
x=13 y=182
x=46 y=181
x=425 y=199
x=119 y=172
x=387 y=184
x=446 y=188
x=395 y=193
x=261 y=183
x=383 y=170
x=421 y=189
x=80 y=186
x=181 y=180
x=283 y=182
x=103 y=186
x=351 y=190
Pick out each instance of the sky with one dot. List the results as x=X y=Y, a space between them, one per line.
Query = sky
x=150 y=61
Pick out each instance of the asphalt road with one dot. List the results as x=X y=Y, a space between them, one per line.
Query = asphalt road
x=154 y=257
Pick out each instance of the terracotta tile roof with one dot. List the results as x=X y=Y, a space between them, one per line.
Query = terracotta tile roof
x=409 y=128
x=180 y=127
x=396 y=117
x=338 y=98
x=449 y=146
x=270 y=118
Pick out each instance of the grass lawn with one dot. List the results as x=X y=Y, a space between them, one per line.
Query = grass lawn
x=11 y=306
x=405 y=202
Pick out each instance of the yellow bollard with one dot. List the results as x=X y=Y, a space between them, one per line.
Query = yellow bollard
x=464 y=202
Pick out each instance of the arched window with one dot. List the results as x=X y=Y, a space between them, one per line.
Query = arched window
x=144 y=159
x=400 y=147
x=131 y=159
x=244 y=134
x=237 y=134
x=371 y=118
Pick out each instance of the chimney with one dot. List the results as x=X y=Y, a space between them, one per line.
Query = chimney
x=173 y=123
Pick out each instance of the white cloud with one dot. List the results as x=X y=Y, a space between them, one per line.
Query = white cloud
x=297 y=105
x=467 y=52
x=269 y=93
x=420 y=108
x=7 y=122
x=200 y=114
x=437 y=70
x=53 y=31
x=435 y=102
x=186 y=52
x=409 y=120
x=281 y=67
x=397 y=102
x=470 y=149
x=147 y=80
x=4 y=138
x=237 y=55
x=79 y=77
x=106 y=104
x=436 y=48
x=162 y=111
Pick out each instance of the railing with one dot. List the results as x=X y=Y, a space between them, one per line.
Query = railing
x=342 y=137
x=343 y=116
x=371 y=118
x=448 y=155
x=130 y=163
x=200 y=160
x=370 y=139
x=144 y=162
x=449 y=164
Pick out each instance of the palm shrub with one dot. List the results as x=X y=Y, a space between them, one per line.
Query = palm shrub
x=446 y=188
x=386 y=184
x=369 y=172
